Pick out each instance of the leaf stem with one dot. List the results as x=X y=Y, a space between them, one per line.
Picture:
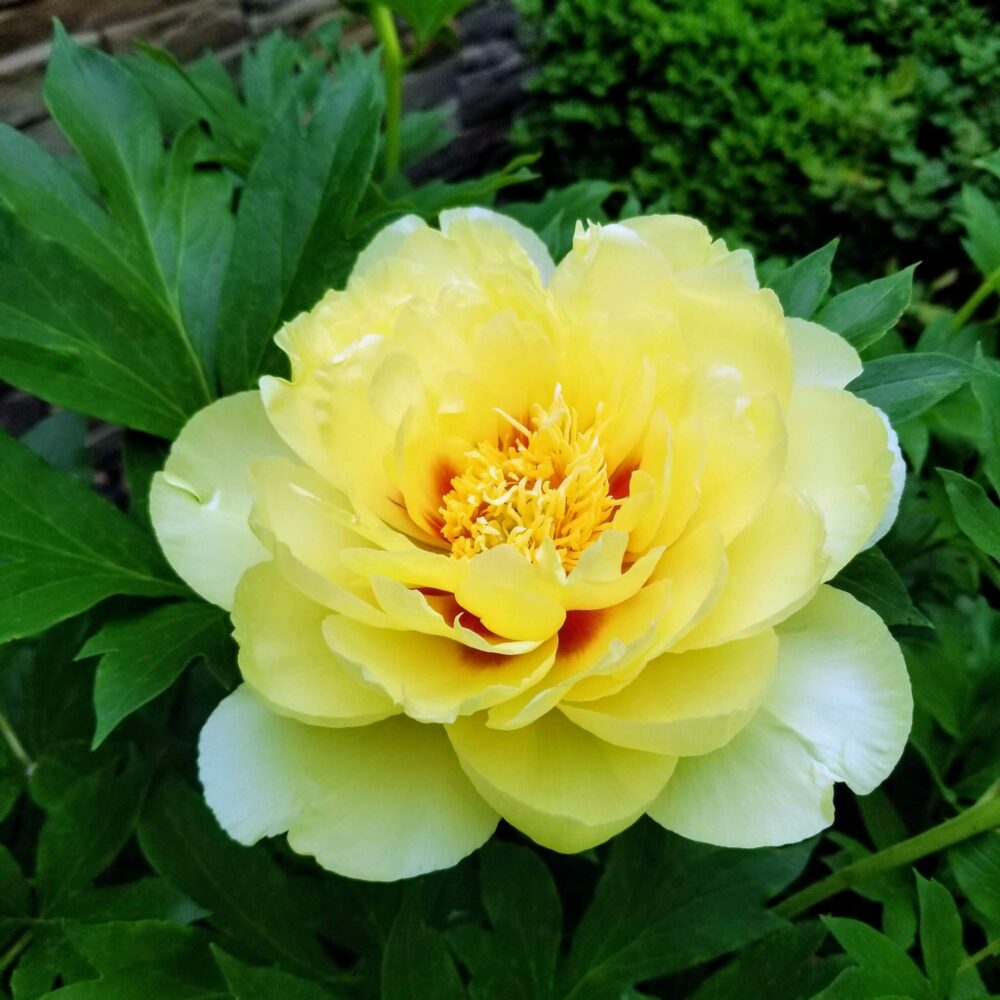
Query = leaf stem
x=984 y=815
x=392 y=70
x=16 y=746
x=10 y=955
x=975 y=300
x=991 y=949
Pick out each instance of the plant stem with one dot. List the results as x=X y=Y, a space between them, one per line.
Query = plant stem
x=984 y=815
x=392 y=70
x=16 y=747
x=8 y=957
x=991 y=949
x=976 y=299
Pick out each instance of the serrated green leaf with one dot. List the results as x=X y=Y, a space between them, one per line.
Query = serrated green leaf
x=84 y=832
x=417 y=962
x=870 y=577
x=802 y=286
x=65 y=548
x=255 y=982
x=248 y=895
x=518 y=957
x=905 y=385
x=940 y=934
x=976 y=514
x=293 y=230
x=665 y=903
x=144 y=655
x=886 y=966
x=863 y=315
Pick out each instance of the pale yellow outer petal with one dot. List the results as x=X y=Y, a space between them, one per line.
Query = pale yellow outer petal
x=840 y=455
x=842 y=685
x=379 y=802
x=563 y=787
x=763 y=788
x=285 y=659
x=820 y=356
x=774 y=567
x=839 y=709
x=453 y=221
x=685 y=704
x=200 y=502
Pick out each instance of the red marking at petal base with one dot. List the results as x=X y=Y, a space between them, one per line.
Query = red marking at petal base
x=578 y=630
x=618 y=486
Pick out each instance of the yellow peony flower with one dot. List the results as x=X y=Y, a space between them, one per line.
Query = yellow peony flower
x=545 y=543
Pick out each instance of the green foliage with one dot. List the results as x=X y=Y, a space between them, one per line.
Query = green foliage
x=784 y=123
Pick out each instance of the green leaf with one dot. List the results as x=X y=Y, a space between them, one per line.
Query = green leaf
x=147 y=898
x=886 y=967
x=940 y=934
x=417 y=962
x=782 y=966
x=111 y=121
x=975 y=513
x=65 y=548
x=86 y=829
x=427 y=17
x=60 y=439
x=871 y=578
x=144 y=655
x=976 y=866
x=905 y=385
x=248 y=895
x=144 y=456
x=519 y=956
x=863 y=315
x=254 y=982
x=801 y=286
x=986 y=389
x=981 y=218
x=664 y=904
x=70 y=337
x=292 y=241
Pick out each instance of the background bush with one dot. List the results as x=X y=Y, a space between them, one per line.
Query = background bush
x=781 y=122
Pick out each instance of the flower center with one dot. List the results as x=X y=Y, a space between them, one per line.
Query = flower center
x=548 y=482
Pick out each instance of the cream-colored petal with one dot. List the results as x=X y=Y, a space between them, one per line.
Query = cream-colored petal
x=774 y=567
x=761 y=789
x=529 y=241
x=897 y=473
x=285 y=659
x=200 y=502
x=378 y=802
x=563 y=787
x=820 y=356
x=841 y=457
x=434 y=679
x=686 y=704
x=842 y=685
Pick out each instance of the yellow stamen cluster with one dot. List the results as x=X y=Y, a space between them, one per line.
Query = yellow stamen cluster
x=550 y=482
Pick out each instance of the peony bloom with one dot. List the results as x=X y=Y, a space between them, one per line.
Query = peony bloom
x=546 y=543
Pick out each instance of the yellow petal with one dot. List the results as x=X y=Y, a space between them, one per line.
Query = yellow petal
x=821 y=357
x=285 y=659
x=761 y=789
x=379 y=802
x=477 y=224
x=564 y=788
x=774 y=567
x=839 y=455
x=434 y=679
x=686 y=704
x=200 y=502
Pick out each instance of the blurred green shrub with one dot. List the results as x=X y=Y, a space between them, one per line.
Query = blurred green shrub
x=782 y=122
